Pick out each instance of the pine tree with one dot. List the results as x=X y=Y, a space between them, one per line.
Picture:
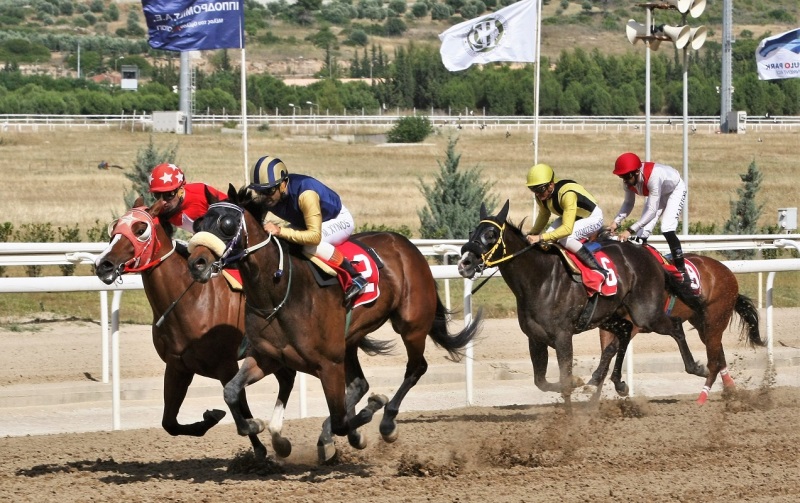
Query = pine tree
x=745 y=212
x=147 y=158
x=454 y=199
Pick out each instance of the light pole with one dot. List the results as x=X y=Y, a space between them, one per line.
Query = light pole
x=311 y=107
x=294 y=111
x=115 y=62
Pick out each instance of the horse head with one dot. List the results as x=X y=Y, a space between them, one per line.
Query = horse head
x=135 y=243
x=486 y=244
x=221 y=235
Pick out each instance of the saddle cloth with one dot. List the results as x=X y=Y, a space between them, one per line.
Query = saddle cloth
x=362 y=263
x=691 y=270
x=591 y=279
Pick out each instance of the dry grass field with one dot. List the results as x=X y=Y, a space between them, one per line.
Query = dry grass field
x=53 y=176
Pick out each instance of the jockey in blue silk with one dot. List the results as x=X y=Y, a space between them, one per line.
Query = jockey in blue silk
x=316 y=217
x=579 y=215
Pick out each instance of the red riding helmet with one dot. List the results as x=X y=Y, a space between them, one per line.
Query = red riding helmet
x=166 y=177
x=626 y=163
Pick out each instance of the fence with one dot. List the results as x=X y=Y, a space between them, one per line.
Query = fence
x=354 y=121
x=17 y=254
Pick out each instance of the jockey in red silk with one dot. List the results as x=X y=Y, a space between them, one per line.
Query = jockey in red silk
x=316 y=216
x=665 y=195
x=183 y=202
x=579 y=215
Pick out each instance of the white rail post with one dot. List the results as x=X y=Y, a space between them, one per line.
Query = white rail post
x=104 y=334
x=115 y=401
x=469 y=354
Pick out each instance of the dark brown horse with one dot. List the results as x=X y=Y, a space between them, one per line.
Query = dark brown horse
x=720 y=292
x=200 y=334
x=550 y=304
x=291 y=321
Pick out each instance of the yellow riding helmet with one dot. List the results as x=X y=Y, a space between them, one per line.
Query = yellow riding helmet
x=539 y=175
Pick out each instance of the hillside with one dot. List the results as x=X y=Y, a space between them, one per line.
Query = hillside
x=277 y=44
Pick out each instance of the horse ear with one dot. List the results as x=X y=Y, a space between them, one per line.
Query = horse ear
x=483 y=211
x=210 y=197
x=503 y=213
x=232 y=194
x=156 y=208
x=139 y=202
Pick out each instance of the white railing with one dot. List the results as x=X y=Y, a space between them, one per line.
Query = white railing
x=18 y=254
x=353 y=120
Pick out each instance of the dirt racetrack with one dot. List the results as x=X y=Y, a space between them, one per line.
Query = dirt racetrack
x=741 y=446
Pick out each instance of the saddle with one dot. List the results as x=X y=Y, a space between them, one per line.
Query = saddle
x=589 y=278
x=364 y=259
x=667 y=264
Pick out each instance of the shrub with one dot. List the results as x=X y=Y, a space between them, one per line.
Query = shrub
x=68 y=235
x=410 y=129
x=35 y=233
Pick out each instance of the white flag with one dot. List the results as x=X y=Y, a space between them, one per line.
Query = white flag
x=778 y=57
x=506 y=35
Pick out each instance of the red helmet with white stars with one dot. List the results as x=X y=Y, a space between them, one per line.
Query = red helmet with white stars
x=166 y=177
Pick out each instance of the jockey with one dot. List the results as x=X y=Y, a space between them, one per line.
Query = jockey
x=183 y=202
x=665 y=193
x=316 y=217
x=579 y=214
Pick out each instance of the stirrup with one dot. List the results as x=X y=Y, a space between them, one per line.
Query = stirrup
x=358 y=284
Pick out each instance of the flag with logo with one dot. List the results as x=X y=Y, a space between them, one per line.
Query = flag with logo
x=194 y=25
x=778 y=57
x=508 y=34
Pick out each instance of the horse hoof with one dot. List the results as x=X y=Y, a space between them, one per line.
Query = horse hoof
x=357 y=440
x=254 y=427
x=326 y=452
x=622 y=389
x=377 y=402
x=703 y=398
x=390 y=435
x=260 y=452
x=212 y=417
x=281 y=446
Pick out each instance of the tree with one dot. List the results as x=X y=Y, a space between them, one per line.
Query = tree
x=745 y=212
x=147 y=158
x=454 y=200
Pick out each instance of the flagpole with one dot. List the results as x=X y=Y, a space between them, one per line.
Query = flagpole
x=536 y=83
x=536 y=97
x=244 y=98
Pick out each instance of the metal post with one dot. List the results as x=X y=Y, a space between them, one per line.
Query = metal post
x=685 y=230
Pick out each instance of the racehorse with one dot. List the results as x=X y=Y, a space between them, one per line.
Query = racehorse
x=291 y=321
x=199 y=334
x=551 y=305
x=720 y=291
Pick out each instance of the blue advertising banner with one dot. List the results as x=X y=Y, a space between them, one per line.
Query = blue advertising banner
x=194 y=25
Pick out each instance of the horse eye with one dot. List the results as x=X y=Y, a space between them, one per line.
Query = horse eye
x=228 y=226
x=489 y=237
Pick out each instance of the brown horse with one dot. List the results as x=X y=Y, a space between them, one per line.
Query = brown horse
x=720 y=291
x=551 y=306
x=291 y=321
x=197 y=329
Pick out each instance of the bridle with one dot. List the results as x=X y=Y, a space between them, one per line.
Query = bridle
x=231 y=254
x=145 y=246
x=499 y=244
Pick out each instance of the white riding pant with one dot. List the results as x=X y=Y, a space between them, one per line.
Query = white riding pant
x=583 y=228
x=334 y=232
x=669 y=211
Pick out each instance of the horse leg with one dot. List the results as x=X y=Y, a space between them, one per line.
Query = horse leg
x=281 y=445
x=624 y=330
x=415 y=369
x=608 y=348
x=691 y=365
x=357 y=387
x=716 y=366
x=539 y=358
x=176 y=384
x=248 y=373
x=563 y=346
x=332 y=378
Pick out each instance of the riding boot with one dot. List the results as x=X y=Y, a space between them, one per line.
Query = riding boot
x=358 y=284
x=588 y=258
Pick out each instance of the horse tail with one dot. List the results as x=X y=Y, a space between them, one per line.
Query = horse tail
x=374 y=347
x=748 y=320
x=454 y=344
